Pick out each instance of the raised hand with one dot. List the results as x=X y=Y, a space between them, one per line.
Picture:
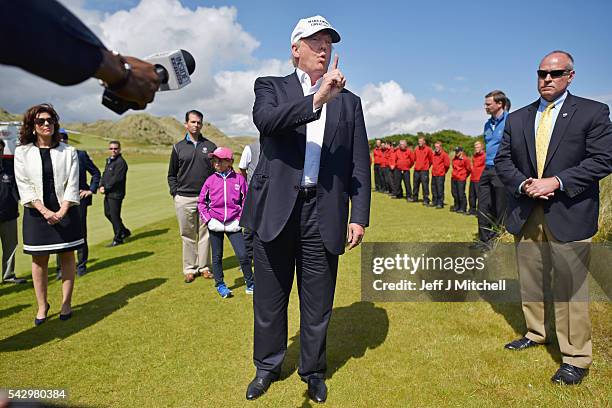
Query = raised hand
x=333 y=83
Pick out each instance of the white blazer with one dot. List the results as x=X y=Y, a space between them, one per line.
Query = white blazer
x=28 y=173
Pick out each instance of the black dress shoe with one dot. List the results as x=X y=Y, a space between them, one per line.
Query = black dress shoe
x=569 y=374
x=114 y=243
x=126 y=233
x=37 y=321
x=317 y=390
x=257 y=387
x=521 y=344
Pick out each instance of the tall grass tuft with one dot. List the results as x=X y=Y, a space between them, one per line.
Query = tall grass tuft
x=605 y=210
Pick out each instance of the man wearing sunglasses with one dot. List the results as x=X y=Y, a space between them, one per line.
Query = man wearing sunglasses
x=113 y=187
x=551 y=158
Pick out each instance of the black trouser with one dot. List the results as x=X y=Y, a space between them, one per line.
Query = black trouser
x=398 y=177
x=298 y=247
x=237 y=241
x=458 y=191
x=112 y=211
x=386 y=175
x=248 y=242
x=473 y=197
x=421 y=177
x=437 y=190
x=377 y=178
x=491 y=204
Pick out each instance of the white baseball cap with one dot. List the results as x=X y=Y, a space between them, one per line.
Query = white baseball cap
x=310 y=25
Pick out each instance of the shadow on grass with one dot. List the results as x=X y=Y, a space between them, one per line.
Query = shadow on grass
x=15 y=287
x=85 y=315
x=352 y=331
x=107 y=263
x=12 y=310
x=148 y=234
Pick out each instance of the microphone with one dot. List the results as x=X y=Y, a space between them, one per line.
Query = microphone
x=174 y=69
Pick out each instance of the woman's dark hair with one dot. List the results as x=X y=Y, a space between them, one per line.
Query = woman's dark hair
x=27 y=133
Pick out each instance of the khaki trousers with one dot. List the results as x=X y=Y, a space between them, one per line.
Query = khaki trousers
x=540 y=255
x=196 y=248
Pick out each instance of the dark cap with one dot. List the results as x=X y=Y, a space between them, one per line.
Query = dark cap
x=458 y=149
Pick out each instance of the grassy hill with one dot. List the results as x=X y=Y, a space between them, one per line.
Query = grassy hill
x=9 y=117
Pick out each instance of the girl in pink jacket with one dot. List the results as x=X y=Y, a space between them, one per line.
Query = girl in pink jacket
x=220 y=206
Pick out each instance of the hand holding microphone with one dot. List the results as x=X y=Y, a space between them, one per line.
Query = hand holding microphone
x=141 y=79
x=333 y=83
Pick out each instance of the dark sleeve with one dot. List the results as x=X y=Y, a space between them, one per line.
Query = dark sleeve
x=360 y=180
x=507 y=172
x=66 y=52
x=271 y=117
x=598 y=161
x=92 y=169
x=173 y=172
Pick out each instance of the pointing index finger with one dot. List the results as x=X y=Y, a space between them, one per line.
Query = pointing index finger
x=335 y=65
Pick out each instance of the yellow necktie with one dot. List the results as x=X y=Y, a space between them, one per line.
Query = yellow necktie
x=543 y=138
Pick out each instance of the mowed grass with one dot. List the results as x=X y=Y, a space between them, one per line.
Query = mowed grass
x=142 y=337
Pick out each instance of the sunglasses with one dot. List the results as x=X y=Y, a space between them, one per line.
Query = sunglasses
x=557 y=73
x=113 y=148
x=42 y=121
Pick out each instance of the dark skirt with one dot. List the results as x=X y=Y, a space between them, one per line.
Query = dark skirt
x=40 y=238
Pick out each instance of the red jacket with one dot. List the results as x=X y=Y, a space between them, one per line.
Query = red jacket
x=478 y=165
x=387 y=155
x=423 y=158
x=403 y=159
x=461 y=168
x=378 y=155
x=441 y=163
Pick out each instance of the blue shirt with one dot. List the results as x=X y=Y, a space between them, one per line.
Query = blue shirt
x=493 y=133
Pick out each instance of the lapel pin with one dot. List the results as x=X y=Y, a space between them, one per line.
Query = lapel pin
x=564 y=114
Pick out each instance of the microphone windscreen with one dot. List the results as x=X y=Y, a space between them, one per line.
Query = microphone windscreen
x=189 y=61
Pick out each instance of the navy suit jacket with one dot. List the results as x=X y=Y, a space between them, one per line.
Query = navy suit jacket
x=579 y=153
x=86 y=165
x=281 y=112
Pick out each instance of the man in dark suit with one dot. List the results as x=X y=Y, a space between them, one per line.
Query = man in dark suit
x=86 y=191
x=113 y=187
x=552 y=156
x=314 y=159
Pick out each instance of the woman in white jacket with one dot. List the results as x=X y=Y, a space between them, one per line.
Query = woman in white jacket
x=47 y=175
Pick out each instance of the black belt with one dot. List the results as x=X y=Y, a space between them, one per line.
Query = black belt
x=307 y=192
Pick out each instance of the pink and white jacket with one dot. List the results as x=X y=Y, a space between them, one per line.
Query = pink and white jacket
x=221 y=200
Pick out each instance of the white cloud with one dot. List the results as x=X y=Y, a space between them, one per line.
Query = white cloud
x=222 y=84
x=388 y=109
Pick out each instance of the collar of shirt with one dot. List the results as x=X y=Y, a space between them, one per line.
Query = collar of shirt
x=305 y=81
x=188 y=139
x=495 y=121
x=558 y=102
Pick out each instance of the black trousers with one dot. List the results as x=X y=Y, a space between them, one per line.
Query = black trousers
x=112 y=211
x=248 y=242
x=83 y=251
x=386 y=176
x=398 y=177
x=421 y=177
x=473 y=197
x=437 y=190
x=377 y=178
x=458 y=191
x=298 y=247
x=491 y=204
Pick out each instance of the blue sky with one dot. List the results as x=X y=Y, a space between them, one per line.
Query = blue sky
x=422 y=65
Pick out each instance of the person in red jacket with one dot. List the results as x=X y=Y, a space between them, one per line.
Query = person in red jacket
x=423 y=159
x=461 y=171
x=377 y=153
x=390 y=166
x=403 y=160
x=440 y=165
x=478 y=165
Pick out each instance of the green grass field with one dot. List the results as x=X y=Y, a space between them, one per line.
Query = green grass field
x=142 y=337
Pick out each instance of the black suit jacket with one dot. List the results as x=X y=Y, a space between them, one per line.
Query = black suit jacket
x=86 y=165
x=579 y=153
x=281 y=112
x=114 y=178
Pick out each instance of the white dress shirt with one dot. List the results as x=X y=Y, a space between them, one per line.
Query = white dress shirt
x=314 y=133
